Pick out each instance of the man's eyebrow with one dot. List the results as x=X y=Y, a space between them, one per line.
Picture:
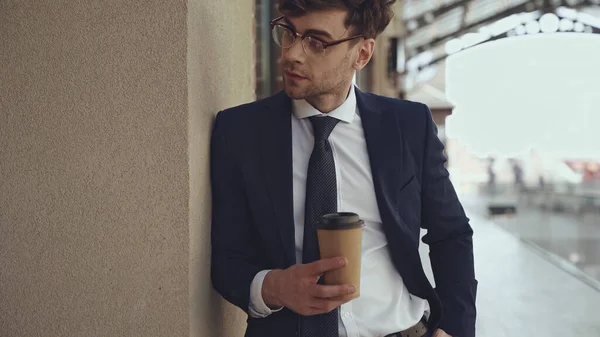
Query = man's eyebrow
x=311 y=31
x=319 y=32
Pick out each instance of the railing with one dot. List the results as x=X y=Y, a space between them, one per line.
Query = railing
x=572 y=198
x=576 y=199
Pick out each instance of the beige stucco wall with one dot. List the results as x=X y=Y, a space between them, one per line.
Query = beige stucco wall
x=104 y=199
x=220 y=59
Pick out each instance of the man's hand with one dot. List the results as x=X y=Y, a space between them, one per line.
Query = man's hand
x=440 y=333
x=296 y=288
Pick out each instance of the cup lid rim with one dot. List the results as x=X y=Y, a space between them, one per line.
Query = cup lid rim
x=340 y=220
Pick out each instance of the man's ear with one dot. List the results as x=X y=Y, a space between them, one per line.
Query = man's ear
x=365 y=52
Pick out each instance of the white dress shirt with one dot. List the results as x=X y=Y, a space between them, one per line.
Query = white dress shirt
x=385 y=305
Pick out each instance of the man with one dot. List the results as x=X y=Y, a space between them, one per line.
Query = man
x=322 y=146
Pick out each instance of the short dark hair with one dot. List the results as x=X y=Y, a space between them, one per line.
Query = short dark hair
x=369 y=17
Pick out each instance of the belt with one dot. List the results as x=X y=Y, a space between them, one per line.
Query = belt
x=417 y=330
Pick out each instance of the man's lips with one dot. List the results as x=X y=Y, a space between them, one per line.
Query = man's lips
x=294 y=75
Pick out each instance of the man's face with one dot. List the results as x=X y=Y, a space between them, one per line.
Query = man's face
x=307 y=75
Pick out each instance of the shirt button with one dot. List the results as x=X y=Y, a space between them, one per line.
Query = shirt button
x=346 y=314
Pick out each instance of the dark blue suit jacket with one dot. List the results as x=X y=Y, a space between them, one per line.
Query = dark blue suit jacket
x=252 y=212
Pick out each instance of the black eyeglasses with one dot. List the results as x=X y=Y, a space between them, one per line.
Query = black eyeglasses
x=285 y=37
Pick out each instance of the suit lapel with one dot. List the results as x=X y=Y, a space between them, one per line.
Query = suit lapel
x=391 y=171
x=384 y=144
x=276 y=156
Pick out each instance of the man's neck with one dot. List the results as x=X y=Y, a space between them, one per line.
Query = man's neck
x=329 y=102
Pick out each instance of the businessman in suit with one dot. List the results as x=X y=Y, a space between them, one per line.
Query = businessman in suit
x=321 y=146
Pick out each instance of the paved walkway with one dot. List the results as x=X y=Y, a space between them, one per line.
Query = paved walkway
x=521 y=292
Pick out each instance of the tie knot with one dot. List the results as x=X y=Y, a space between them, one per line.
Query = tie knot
x=322 y=127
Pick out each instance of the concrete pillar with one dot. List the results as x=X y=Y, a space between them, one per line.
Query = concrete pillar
x=220 y=75
x=105 y=113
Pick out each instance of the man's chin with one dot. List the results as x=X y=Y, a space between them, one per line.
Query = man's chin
x=294 y=93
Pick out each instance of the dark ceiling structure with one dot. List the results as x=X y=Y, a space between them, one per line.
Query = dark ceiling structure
x=430 y=24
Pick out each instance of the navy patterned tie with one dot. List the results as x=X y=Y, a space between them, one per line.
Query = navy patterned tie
x=321 y=198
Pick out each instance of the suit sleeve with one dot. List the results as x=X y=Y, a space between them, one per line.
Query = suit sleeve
x=449 y=237
x=234 y=255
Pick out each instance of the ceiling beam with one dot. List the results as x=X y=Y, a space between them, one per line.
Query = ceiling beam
x=421 y=20
x=465 y=13
x=465 y=29
x=524 y=7
x=504 y=35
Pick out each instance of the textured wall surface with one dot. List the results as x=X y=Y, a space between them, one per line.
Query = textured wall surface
x=94 y=186
x=220 y=75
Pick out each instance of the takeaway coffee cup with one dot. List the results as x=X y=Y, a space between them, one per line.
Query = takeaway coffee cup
x=340 y=234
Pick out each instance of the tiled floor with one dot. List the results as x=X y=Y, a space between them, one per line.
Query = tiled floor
x=521 y=292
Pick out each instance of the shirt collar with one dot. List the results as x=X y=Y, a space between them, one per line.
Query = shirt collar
x=345 y=112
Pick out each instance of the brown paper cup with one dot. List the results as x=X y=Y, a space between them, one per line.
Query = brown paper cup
x=340 y=234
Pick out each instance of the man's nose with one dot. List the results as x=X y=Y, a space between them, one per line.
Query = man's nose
x=295 y=53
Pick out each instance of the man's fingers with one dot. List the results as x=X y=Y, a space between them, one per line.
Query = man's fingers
x=321 y=306
x=324 y=291
x=319 y=267
x=440 y=333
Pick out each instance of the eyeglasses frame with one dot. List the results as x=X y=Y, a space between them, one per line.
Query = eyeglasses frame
x=275 y=22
